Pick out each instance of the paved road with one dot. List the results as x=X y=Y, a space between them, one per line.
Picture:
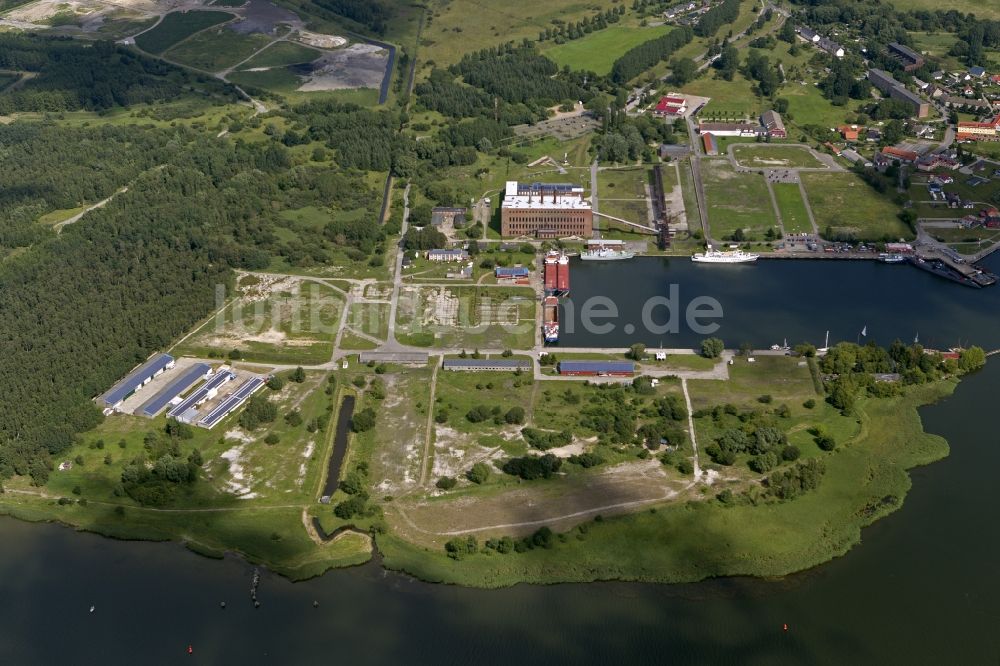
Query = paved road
x=830 y=164
x=774 y=204
x=699 y=188
x=593 y=198
x=809 y=210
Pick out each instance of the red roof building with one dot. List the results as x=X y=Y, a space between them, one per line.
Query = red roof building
x=849 y=132
x=901 y=155
x=989 y=130
x=711 y=146
x=671 y=105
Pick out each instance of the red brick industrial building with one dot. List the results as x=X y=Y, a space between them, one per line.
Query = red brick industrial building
x=545 y=210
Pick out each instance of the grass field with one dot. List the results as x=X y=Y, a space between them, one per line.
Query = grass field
x=631 y=210
x=276 y=79
x=794 y=217
x=56 y=216
x=282 y=54
x=622 y=193
x=774 y=156
x=731 y=100
x=981 y=9
x=622 y=183
x=846 y=203
x=177 y=26
x=460 y=26
x=598 y=51
x=865 y=480
x=244 y=501
x=691 y=211
x=693 y=537
x=466 y=316
x=807 y=106
x=984 y=149
x=736 y=200
x=295 y=322
x=216 y=49
x=118 y=29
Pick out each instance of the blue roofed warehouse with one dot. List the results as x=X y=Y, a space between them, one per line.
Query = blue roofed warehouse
x=135 y=380
x=174 y=389
x=597 y=368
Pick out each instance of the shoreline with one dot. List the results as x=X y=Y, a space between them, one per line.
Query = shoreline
x=578 y=563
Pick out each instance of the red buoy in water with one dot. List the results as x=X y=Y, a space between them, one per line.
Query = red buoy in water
x=785 y=626
x=190 y=649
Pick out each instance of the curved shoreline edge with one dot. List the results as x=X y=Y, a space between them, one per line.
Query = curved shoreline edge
x=866 y=480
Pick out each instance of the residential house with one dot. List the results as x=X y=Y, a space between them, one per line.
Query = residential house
x=808 y=34
x=850 y=132
x=831 y=47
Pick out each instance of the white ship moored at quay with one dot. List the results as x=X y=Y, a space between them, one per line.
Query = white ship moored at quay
x=606 y=250
x=710 y=256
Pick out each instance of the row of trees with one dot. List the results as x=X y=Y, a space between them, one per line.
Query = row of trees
x=640 y=58
x=372 y=14
x=716 y=17
x=585 y=26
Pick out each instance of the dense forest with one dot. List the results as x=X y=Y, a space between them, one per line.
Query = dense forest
x=716 y=17
x=519 y=74
x=362 y=138
x=71 y=75
x=85 y=306
x=441 y=93
x=42 y=170
x=372 y=14
x=646 y=55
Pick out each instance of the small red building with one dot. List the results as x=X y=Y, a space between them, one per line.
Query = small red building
x=671 y=105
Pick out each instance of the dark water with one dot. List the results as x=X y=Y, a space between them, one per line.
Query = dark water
x=339 y=445
x=923 y=588
x=771 y=300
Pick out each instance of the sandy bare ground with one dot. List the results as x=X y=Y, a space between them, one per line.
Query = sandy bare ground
x=357 y=66
x=320 y=41
x=557 y=503
x=92 y=12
